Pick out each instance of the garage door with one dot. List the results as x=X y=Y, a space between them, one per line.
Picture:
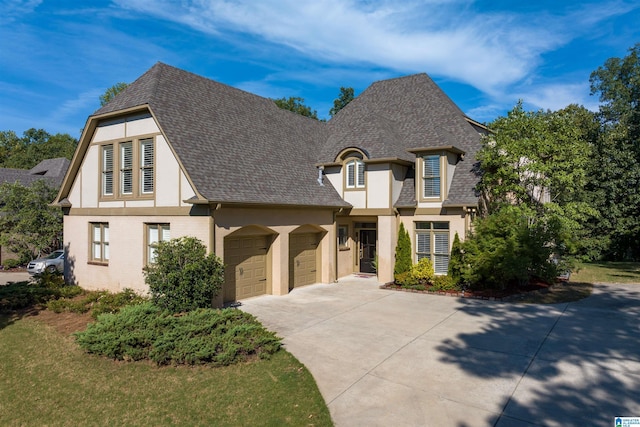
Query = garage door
x=245 y=261
x=302 y=259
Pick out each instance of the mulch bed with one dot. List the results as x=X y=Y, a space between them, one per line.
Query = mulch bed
x=488 y=294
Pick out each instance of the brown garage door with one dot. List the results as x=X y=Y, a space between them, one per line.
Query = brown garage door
x=245 y=261
x=302 y=259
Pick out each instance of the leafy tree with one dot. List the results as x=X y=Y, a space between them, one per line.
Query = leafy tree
x=28 y=225
x=616 y=169
x=345 y=97
x=111 y=93
x=35 y=145
x=296 y=104
x=183 y=276
x=403 y=253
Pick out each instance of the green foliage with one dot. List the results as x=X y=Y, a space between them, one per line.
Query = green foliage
x=16 y=296
x=35 y=145
x=296 y=104
x=183 y=277
x=444 y=283
x=28 y=225
x=403 y=252
x=456 y=261
x=96 y=302
x=615 y=172
x=111 y=93
x=145 y=331
x=345 y=97
x=51 y=279
x=10 y=263
x=509 y=247
x=406 y=280
x=423 y=271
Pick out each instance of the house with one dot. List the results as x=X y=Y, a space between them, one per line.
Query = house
x=283 y=199
x=51 y=171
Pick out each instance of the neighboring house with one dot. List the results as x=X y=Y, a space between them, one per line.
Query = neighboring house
x=283 y=199
x=52 y=171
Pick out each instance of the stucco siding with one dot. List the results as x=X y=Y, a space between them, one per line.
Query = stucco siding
x=167 y=175
x=357 y=198
x=142 y=124
x=378 y=186
x=89 y=186
x=127 y=247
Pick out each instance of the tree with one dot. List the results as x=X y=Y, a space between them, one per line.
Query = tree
x=456 y=262
x=111 y=93
x=403 y=253
x=296 y=104
x=345 y=97
x=34 y=146
x=29 y=227
x=183 y=277
x=615 y=175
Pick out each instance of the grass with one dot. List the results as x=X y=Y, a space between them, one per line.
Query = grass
x=45 y=379
x=607 y=272
x=582 y=280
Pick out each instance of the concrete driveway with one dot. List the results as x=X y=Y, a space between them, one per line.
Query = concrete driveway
x=388 y=358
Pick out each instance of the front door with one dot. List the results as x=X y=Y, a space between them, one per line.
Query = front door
x=367 y=251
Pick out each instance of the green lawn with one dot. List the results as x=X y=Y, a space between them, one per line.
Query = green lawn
x=607 y=272
x=45 y=379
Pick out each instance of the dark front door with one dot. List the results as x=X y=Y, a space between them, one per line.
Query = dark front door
x=367 y=251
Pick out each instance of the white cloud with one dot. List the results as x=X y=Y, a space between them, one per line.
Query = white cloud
x=556 y=96
x=11 y=10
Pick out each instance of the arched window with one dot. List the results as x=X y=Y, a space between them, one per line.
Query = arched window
x=355 y=173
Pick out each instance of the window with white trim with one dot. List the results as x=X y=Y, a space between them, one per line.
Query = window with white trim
x=343 y=236
x=156 y=233
x=99 y=242
x=431 y=179
x=146 y=166
x=126 y=167
x=355 y=173
x=432 y=241
x=107 y=170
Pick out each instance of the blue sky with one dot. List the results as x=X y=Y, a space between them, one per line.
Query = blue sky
x=58 y=56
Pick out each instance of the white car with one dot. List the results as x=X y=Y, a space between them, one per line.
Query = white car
x=52 y=262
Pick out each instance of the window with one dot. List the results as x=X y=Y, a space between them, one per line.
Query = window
x=129 y=180
x=431 y=176
x=126 y=168
x=146 y=166
x=343 y=236
x=156 y=233
x=355 y=174
x=100 y=242
x=107 y=170
x=432 y=241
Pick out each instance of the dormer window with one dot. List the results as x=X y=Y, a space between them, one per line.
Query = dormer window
x=431 y=178
x=355 y=173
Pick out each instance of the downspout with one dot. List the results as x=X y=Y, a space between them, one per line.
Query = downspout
x=335 y=243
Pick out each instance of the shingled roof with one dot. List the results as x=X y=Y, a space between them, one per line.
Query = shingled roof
x=238 y=147
x=395 y=115
x=50 y=170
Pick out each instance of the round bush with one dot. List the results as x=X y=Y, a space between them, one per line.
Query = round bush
x=184 y=277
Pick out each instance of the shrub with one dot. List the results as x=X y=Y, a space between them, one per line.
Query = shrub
x=406 y=280
x=10 y=263
x=444 y=283
x=145 y=331
x=508 y=247
x=97 y=302
x=456 y=261
x=183 y=277
x=403 y=252
x=423 y=272
x=51 y=280
x=16 y=296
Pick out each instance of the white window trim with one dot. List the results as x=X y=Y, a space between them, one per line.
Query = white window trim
x=359 y=179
